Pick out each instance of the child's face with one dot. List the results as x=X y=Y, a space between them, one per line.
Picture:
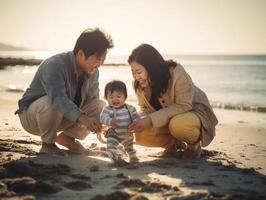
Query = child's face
x=116 y=99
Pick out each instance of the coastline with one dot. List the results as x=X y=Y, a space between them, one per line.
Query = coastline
x=216 y=105
x=239 y=107
x=11 y=61
x=232 y=166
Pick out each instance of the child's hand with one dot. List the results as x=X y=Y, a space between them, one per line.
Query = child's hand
x=113 y=123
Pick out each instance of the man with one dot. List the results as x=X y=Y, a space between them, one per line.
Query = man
x=64 y=95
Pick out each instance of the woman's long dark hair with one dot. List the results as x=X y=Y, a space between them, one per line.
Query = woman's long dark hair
x=157 y=68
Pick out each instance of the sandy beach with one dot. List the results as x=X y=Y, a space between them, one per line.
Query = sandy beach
x=232 y=167
x=220 y=46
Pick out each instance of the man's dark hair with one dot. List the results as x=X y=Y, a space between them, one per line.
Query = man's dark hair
x=93 y=41
x=115 y=85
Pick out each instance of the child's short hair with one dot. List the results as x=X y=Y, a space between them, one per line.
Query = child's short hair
x=115 y=85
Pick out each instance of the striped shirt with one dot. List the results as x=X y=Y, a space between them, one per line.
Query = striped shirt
x=123 y=117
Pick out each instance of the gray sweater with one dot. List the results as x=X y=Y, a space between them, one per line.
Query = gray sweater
x=57 y=78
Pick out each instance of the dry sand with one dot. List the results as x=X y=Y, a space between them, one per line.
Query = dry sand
x=232 y=167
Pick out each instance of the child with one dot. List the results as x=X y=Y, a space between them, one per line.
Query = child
x=118 y=115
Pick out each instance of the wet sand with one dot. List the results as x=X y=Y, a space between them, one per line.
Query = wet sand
x=232 y=167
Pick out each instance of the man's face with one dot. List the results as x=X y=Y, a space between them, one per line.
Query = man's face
x=90 y=64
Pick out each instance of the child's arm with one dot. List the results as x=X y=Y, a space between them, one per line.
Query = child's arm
x=134 y=113
x=105 y=116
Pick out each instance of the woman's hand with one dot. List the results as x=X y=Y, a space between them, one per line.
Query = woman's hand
x=140 y=125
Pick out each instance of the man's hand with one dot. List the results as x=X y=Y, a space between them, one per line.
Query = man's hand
x=140 y=125
x=90 y=122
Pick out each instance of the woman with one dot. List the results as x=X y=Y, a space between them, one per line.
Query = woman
x=174 y=109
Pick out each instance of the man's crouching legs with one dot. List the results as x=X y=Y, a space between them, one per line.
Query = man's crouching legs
x=42 y=120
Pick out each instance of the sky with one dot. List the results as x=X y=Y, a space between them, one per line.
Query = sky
x=171 y=26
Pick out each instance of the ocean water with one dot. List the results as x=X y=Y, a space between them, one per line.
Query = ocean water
x=233 y=81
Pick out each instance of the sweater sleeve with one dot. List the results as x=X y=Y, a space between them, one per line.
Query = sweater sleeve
x=94 y=86
x=53 y=79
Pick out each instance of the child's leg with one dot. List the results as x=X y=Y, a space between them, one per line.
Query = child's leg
x=128 y=146
x=112 y=150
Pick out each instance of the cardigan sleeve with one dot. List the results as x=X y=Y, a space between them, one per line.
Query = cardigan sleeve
x=183 y=92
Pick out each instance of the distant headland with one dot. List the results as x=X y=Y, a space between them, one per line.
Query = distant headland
x=8 y=47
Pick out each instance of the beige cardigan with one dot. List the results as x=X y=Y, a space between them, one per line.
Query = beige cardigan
x=181 y=96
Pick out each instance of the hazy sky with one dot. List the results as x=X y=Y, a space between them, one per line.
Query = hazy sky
x=172 y=26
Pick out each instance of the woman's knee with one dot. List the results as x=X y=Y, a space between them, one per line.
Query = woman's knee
x=185 y=127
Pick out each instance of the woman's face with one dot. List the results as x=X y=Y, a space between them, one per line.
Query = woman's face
x=140 y=74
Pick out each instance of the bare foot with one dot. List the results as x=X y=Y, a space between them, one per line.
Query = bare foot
x=70 y=143
x=51 y=149
x=116 y=160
